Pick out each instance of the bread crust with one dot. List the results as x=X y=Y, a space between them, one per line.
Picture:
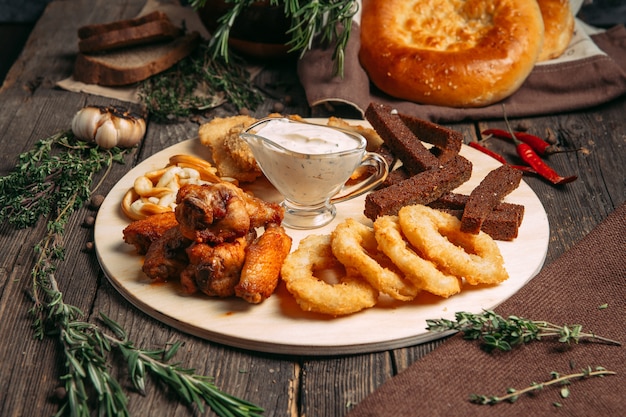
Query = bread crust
x=149 y=32
x=450 y=52
x=96 y=29
x=130 y=65
x=558 y=22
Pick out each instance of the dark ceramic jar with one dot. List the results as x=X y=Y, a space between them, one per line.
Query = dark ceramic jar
x=259 y=31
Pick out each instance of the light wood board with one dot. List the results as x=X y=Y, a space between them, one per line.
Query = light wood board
x=278 y=325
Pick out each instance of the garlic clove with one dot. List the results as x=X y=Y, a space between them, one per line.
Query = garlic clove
x=132 y=130
x=85 y=123
x=107 y=135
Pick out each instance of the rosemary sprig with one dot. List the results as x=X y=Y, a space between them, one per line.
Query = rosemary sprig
x=60 y=171
x=497 y=332
x=513 y=395
x=199 y=82
x=326 y=20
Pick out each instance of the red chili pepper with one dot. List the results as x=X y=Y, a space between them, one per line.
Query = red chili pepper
x=528 y=155
x=539 y=145
x=500 y=158
x=488 y=151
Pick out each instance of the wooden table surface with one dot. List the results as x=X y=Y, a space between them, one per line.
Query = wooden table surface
x=31 y=108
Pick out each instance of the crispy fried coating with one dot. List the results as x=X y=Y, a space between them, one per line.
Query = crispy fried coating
x=350 y=294
x=264 y=259
x=220 y=135
x=211 y=213
x=142 y=233
x=438 y=237
x=166 y=257
x=216 y=268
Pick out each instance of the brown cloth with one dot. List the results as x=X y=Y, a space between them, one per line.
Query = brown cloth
x=549 y=89
x=571 y=290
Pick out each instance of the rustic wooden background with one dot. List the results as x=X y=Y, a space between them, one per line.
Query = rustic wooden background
x=32 y=108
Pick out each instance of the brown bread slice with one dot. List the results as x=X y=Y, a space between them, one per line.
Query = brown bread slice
x=150 y=32
x=447 y=141
x=399 y=138
x=487 y=195
x=130 y=65
x=421 y=188
x=95 y=29
x=394 y=177
x=499 y=224
x=502 y=223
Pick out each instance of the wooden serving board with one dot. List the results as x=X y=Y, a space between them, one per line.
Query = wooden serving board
x=278 y=325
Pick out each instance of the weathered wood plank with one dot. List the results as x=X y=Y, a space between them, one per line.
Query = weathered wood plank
x=597 y=137
x=31 y=108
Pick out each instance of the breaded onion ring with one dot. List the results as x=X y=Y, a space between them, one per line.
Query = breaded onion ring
x=354 y=244
x=350 y=295
x=437 y=235
x=422 y=272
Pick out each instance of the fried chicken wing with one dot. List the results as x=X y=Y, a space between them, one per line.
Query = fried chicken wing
x=166 y=257
x=216 y=268
x=204 y=244
x=142 y=233
x=262 y=213
x=211 y=213
x=261 y=270
x=216 y=213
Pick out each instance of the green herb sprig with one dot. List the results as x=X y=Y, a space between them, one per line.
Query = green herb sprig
x=51 y=181
x=496 y=332
x=199 y=82
x=330 y=20
x=45 y=180
x=513 y=394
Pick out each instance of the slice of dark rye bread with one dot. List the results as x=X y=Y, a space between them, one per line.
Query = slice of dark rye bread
x=130 y=65
x=487 y=195
x=96 y=29
x=501 y=223
x=399 y=139
x=422 y=188
x=149 y=32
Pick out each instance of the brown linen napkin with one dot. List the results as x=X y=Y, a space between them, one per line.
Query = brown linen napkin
x=550 y=88
x=568 y=291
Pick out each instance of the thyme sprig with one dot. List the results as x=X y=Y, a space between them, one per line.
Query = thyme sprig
x=513 y=394
x=56 y=173
x=496 y=332
x=51 y=181
x=323 y=20
x=199 y=82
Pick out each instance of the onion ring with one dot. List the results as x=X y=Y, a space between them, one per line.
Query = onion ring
x=350 y=295
x=437 y=235
x=354 y=244
x=421 y=272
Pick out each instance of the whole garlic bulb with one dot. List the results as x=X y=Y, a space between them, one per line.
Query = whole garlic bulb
x=108 y=126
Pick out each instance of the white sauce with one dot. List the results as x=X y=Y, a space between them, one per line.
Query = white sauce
x=307 y=138
x=306 y=173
